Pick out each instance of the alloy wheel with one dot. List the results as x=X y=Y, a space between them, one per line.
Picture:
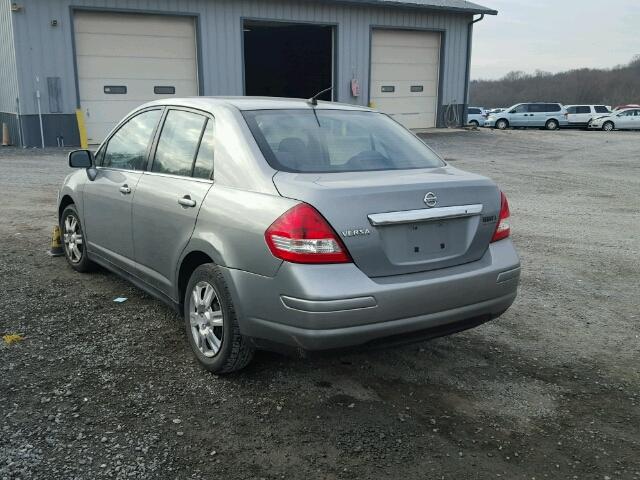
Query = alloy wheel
x=73 y=240
x=206 y=319
x=607 y=127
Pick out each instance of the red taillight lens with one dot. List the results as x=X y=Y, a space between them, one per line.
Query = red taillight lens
x=503 y=229
x=302 y=235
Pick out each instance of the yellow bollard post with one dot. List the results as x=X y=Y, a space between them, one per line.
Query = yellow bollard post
x=82 y=129
x=56 y=246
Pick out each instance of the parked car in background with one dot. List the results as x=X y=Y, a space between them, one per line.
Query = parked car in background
x=476 y=116
x=629 y=105
x=580 y=115
x=494 y=110
x=260 y=251
x=551 y=116
x=628 y=119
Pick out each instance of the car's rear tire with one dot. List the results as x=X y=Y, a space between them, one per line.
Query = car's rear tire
x=552 y=124
x=474 y=123
x=211 y=323
x=502 y=124
x=74 y=241
x=608 y=126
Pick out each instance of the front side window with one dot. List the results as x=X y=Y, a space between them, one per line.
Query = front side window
x=571 y=110
x=178 y=143
x=601 y=109
x=524 y=108
x=127 y=148
x=322 y=141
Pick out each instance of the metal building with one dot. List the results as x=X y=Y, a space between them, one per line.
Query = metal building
x=409 y=58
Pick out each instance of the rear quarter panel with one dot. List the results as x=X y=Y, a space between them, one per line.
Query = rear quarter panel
x=231 y=226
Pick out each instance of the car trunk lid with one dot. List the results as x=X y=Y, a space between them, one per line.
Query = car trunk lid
x=390 y=221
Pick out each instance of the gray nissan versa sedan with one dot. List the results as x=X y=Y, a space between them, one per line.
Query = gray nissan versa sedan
x=279 y=223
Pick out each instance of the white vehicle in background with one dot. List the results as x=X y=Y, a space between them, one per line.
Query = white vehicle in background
x=581 y=115
x=628 y=119
x=476 y=116
x=550 y=116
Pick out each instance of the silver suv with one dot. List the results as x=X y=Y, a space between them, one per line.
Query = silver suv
x=274 y=223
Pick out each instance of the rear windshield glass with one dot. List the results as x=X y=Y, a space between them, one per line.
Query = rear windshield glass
x=336 y=141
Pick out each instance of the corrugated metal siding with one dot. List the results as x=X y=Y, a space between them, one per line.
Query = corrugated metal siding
x=47 y=51
x=8 y=72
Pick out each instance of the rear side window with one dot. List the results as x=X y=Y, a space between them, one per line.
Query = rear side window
x=601 y=109
x=553 y=107
x=474 y=111
x=323 y=141
x=127 y=148
x=178 y=143
x=203 y=167
x=583 y=109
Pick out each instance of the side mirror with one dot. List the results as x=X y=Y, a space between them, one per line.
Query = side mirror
x=80 y=159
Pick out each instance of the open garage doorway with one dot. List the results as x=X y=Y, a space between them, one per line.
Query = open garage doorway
x=288 y=60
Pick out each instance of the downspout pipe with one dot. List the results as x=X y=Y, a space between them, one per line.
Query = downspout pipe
x=465 y=103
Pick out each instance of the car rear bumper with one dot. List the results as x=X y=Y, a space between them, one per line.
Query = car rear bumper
x=319 y=307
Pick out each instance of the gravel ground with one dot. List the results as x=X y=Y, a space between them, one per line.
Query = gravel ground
x=550 y=390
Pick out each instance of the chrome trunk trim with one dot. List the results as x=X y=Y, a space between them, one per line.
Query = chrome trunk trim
x=424 y=215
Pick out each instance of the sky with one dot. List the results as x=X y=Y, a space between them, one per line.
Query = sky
x=554 y=36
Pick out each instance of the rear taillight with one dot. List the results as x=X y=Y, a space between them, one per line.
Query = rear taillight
x=302 y=235
x=503 y=229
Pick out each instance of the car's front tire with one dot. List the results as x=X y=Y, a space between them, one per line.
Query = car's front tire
x=502 y=124
x=74 y=241
x=211 y=323
x=552 y=125
x=608 y=126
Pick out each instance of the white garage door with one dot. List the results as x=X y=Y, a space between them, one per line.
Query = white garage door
x=125 y=60
x=404 y=75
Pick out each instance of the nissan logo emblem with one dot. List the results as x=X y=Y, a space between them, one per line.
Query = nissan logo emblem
x=430 y=200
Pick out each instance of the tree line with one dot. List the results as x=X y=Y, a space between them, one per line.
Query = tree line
x=615 y=86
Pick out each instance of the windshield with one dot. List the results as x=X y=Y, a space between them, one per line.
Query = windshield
x=322 y=141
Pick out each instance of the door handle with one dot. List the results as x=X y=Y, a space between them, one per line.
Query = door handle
x=125 y=190
x=186 y=201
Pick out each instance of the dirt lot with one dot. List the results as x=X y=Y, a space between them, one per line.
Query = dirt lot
x=550 y=390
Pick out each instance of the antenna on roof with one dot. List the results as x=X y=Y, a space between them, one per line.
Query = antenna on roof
x=313 y=101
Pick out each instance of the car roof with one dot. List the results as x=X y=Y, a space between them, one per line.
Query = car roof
x=253 y=103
